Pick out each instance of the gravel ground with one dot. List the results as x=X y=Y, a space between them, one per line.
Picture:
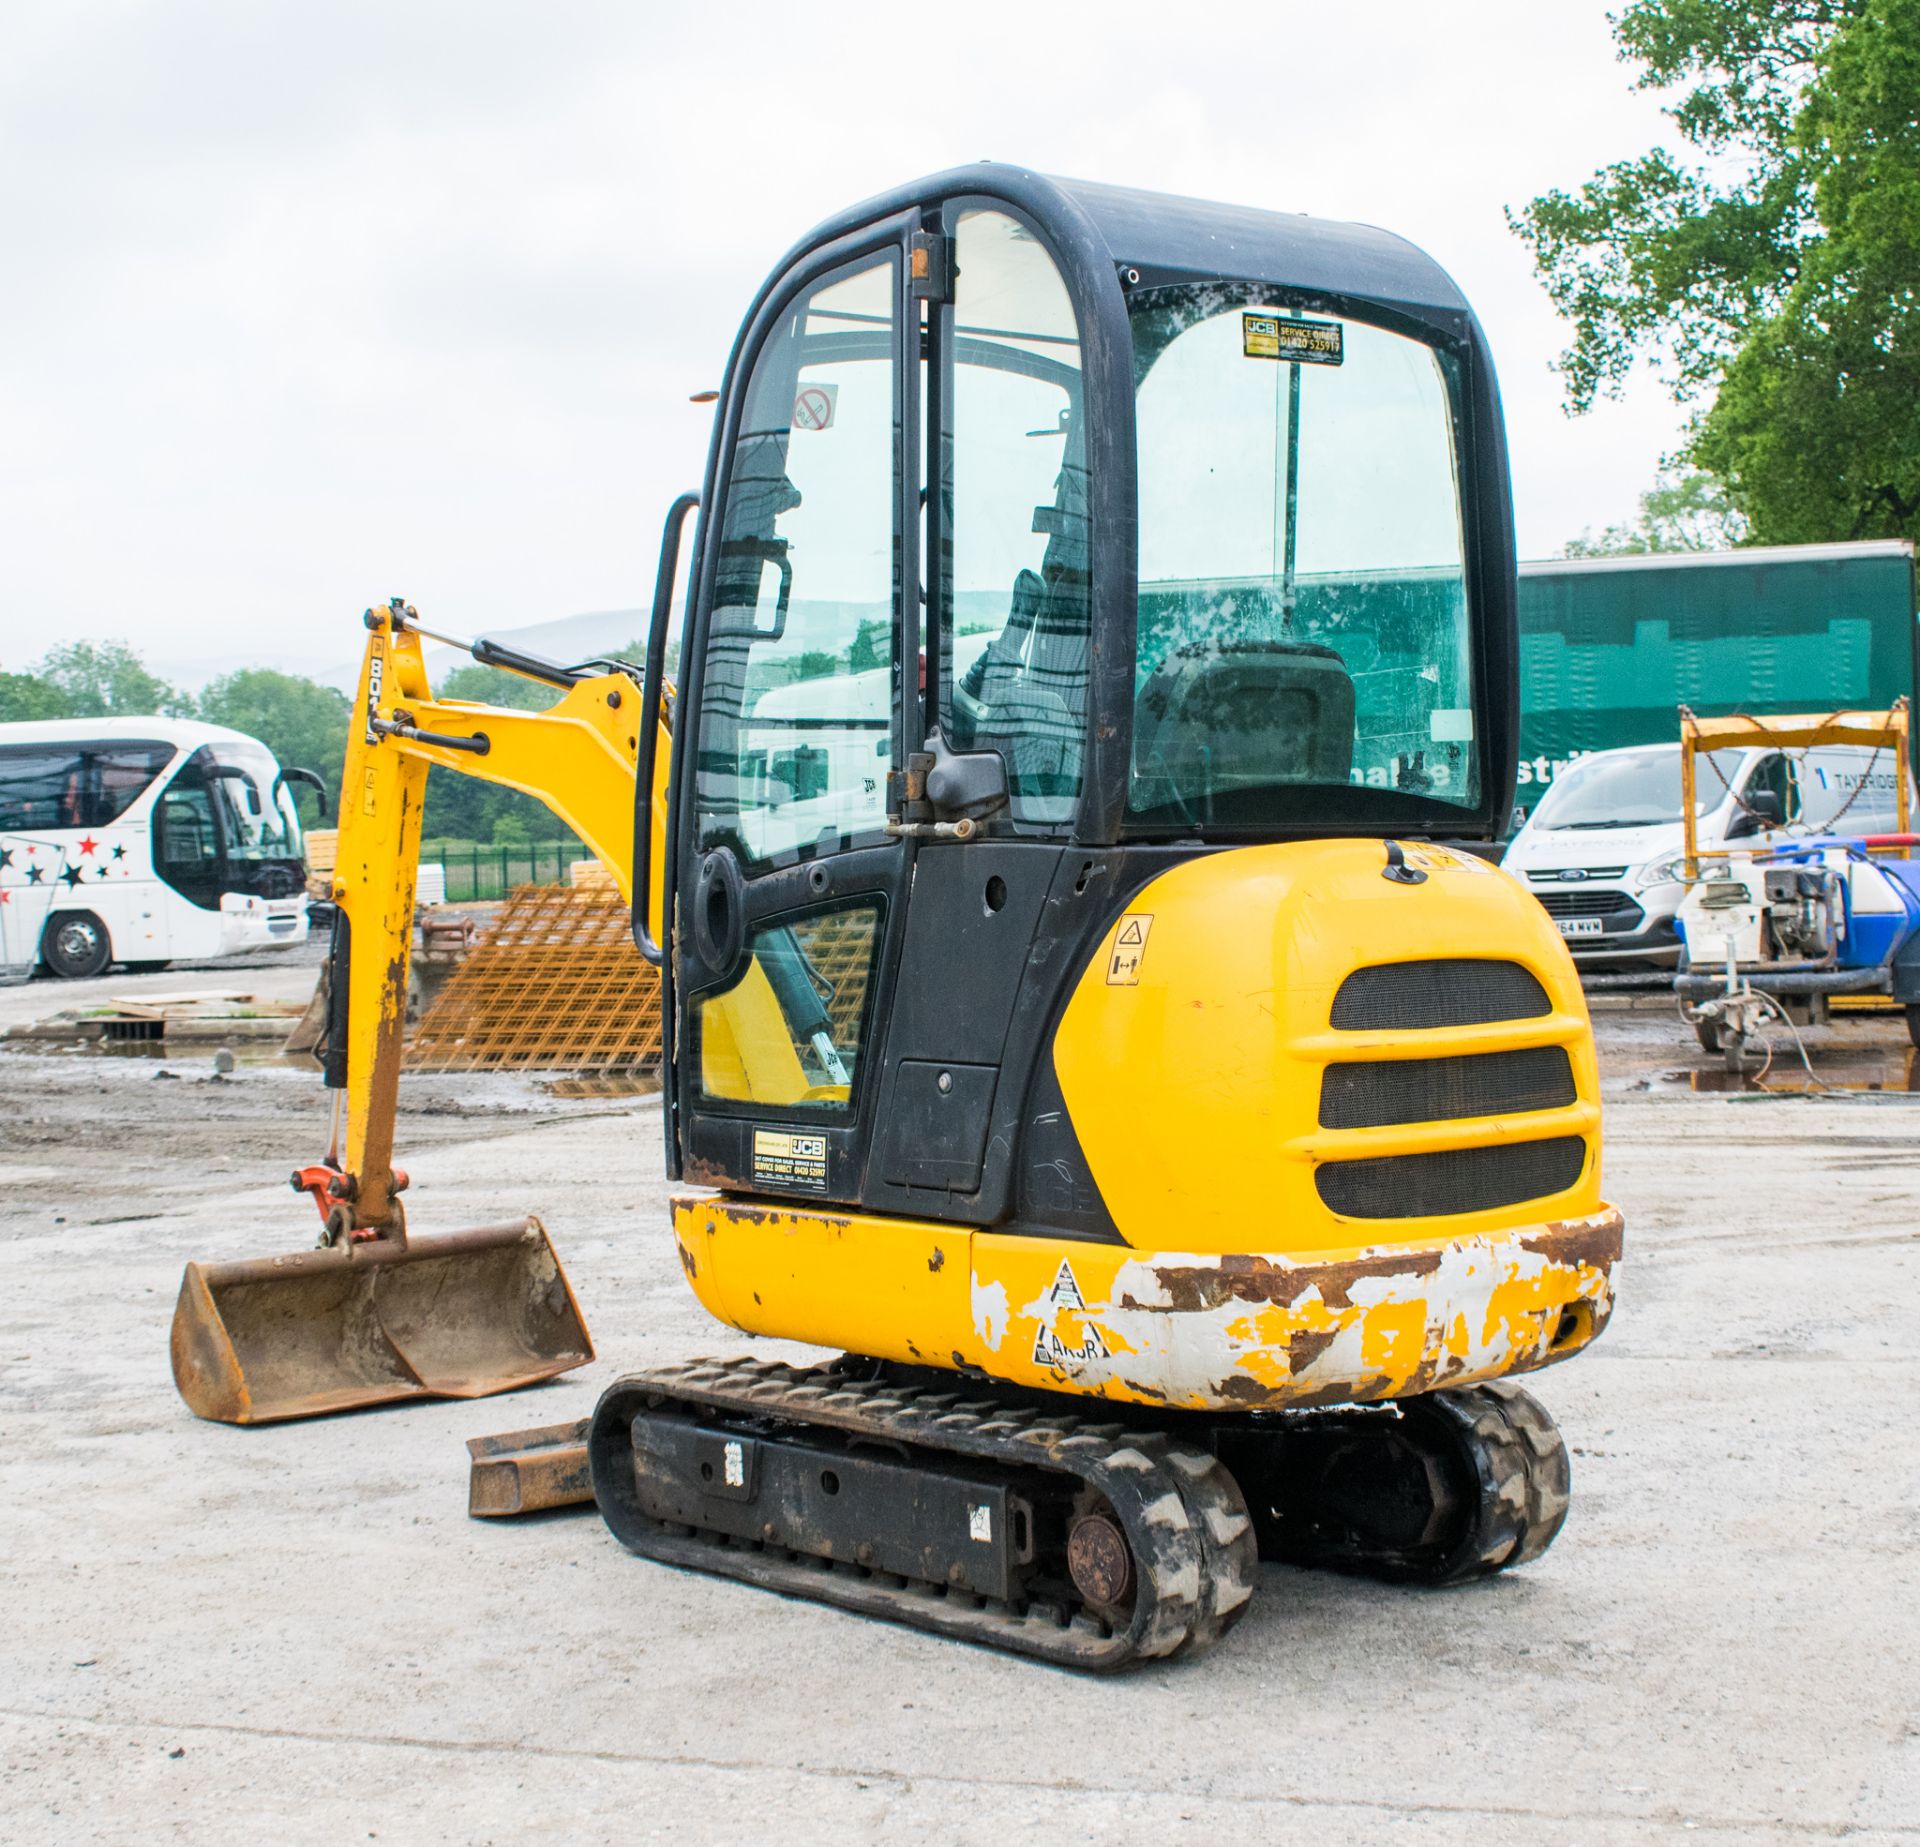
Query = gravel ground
x=215 y=1634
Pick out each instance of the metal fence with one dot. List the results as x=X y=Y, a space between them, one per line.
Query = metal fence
x=475 y=873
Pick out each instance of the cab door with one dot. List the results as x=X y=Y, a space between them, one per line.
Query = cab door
x=789 y=891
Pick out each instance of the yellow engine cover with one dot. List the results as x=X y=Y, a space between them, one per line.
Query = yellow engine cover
x=1193 y=1058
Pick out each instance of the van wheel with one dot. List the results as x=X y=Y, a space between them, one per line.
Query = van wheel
x=1913 y=1021
x=76 y=945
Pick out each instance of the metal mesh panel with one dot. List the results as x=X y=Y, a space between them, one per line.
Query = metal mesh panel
x=555 y=985
x=1413 y=996
x=1373 y=1095
x=1396 y=1186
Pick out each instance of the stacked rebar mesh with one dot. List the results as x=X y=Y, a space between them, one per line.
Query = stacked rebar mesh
x=555 y=984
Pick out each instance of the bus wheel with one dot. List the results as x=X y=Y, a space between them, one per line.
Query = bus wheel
x=76 y=945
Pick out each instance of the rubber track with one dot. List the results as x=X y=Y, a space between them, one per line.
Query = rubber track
x=1525 y=1479
x=1182 y=1513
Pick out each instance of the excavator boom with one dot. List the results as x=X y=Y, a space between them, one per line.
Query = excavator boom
x=377 y=1314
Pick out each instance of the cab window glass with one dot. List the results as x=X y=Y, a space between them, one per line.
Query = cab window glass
x=790 y=1033
x=796 y=721
x=1303 y=616
x=1014 y=477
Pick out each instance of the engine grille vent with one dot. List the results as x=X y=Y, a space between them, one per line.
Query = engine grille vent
x=1397 y=1186
x=1413 y=996
x=1374 y=1095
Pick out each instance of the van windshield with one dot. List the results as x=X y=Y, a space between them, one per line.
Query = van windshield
x=1638 y=790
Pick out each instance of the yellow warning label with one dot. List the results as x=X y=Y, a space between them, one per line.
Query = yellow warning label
x=366 y=795
x=1129 y=950
x=1444 y=859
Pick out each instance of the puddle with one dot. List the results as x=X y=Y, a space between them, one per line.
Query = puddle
x=602 y=1087
x=1896 y=1075
x=258 y=1052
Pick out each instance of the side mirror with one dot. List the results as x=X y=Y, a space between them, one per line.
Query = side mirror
x=313 y=779
x=1763 y=811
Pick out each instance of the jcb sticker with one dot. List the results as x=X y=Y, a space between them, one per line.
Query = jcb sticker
x=1278 y=336
x=1129 y=950
x=788 y=1162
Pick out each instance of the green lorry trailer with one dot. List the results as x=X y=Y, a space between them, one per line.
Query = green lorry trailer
x=1610 y=646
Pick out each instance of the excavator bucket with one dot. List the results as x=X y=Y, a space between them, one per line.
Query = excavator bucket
x=462 y=1315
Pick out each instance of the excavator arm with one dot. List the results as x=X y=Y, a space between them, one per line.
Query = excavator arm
x=373 y=1315
x=578 y=757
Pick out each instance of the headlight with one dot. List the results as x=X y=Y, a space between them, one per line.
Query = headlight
x=1662 y=872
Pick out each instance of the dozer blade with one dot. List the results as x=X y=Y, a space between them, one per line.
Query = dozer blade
x=462 y=1315
x=529 y=1471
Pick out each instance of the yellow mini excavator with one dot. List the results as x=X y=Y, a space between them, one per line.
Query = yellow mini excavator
x=1091 y=1010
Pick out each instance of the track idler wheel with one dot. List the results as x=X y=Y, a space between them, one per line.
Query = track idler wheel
x=1100 y=1561
x=1460 y=1484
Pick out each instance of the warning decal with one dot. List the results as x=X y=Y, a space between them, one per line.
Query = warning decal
x=1065 y=1292
x=1129 y=950
x=790 y=1163
x=1050 y=1350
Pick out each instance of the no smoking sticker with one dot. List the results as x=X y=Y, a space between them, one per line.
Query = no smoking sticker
x=814 y=405
x=1129 y=950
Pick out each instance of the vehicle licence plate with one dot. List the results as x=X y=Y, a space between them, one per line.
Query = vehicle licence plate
x=1578 y=926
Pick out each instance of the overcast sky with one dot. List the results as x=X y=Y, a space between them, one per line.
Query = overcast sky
x=308 y=304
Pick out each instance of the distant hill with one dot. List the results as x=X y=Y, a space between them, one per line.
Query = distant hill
x=566 y=639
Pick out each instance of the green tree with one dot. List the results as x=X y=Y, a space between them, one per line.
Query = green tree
x=106 y=679
x=465 y=808
x=1774 y=271
x=302 y=722
x=1686 y=512
x=26 y=695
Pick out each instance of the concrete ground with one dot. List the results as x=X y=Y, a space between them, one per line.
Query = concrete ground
x=296 y=1634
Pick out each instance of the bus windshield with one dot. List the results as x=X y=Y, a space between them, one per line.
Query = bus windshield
x=257 y=814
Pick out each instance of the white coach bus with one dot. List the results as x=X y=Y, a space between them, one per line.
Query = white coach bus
x=144 y=841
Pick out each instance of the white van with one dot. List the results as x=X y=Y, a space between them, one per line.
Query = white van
x=144 y=841
x=1602 y=851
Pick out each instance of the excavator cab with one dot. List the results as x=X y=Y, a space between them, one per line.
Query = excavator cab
x=1094 y=1011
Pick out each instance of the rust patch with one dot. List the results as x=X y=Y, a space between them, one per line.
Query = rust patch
x=1595 y=1244
x=686 y=1260
x=1244 y=1278
x=1237 y=1388
x=741 y=1212
x=937 y=1260
x=1306 y=1345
